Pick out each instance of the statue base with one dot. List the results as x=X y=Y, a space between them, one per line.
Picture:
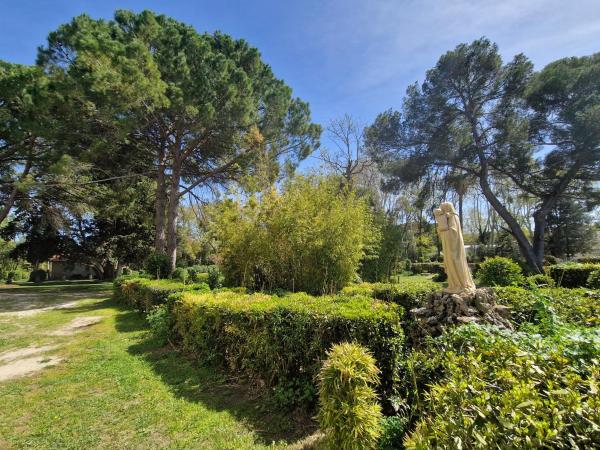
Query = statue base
x=444 y=309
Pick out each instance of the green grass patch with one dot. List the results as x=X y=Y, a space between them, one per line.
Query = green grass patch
x=117 y=387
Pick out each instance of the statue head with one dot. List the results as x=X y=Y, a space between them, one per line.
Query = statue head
x=447 y=207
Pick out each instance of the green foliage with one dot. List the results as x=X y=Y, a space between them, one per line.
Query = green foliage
x=488 y=388
x=145 y=294
x=572 y=275
x=198 y=273
x=349 y=414
x=500 y=271
x=410 y=292
x=215 y=277
x=38 y=276
x=282 y=341
x=181 y=274
x=158 y=265
x=311 y=237
x=393 y=429
x=593 y=280
x=539 y=280
x=575 y=306
x=162 y=323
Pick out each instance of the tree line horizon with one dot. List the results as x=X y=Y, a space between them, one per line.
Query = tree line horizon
x=122 y=123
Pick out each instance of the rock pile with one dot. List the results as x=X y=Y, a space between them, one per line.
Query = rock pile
x=442 y=310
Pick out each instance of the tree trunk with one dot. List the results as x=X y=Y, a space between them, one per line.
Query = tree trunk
x=160 y=205
x=525 y=246
x=172 y=212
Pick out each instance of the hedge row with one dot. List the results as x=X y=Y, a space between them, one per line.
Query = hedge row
x=572 y=275
x=281 y=341
x=143 y=294
x=576 y=306
x=409 y=293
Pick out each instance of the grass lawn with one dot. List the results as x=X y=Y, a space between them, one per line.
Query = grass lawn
x=116 y=388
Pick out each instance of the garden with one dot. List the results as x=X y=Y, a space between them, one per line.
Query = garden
x=176 y=276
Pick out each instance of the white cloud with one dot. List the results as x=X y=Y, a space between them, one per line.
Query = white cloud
x=382 y=42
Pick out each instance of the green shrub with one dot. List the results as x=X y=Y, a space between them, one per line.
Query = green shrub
x=38 y=276
x=281 y=341
x=393 y=429
x=144 y=294
x=487 y=388
x=215 y=278
x=575 y=306
x=410 y=292
x=199 y=273
x=181 y=274
x=539 y=280
x=593 y=280
x=349 y=414
x=572 y=275
x=311 y=237
x=500 y=271
x=158 y=265
x=162 y=323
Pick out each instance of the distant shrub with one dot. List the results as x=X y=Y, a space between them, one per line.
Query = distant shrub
x=215 y=278
x=500 y=271
x=280 y=342
x=158 y=265
x=484 y=388
x=199 y=273
x=349 y=414
x=539 y=280
x=181 y=274
x=38 y=276
x=572 y=275
x=593 y=280
x=162 y=323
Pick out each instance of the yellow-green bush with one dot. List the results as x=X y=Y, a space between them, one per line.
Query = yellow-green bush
x=483 y=388
x=282 y=341
x=144 y=294
x=310 y=237
x=572 y=275
x=349 y=414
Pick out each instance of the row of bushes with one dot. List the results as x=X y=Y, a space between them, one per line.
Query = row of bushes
x=572 y=275
x=282 y=341
x=144 y=294
x=277 y=341
x=410 y=293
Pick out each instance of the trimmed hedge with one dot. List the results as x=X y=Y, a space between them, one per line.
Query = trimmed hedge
x=572 y=275
x=575 y=306
x=281 y=342
x=409 y=293
x=144 y=294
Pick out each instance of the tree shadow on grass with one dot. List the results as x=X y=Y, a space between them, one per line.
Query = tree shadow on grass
x=215 y=390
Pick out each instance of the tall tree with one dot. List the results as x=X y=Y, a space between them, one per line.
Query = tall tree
x=472 y=114
x=202 y=107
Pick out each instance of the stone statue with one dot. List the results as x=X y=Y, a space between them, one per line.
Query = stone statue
x=453 y=248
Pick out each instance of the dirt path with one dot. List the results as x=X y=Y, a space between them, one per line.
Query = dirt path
x=17 y=306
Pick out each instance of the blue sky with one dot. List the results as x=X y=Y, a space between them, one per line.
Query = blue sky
x=342 y=56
